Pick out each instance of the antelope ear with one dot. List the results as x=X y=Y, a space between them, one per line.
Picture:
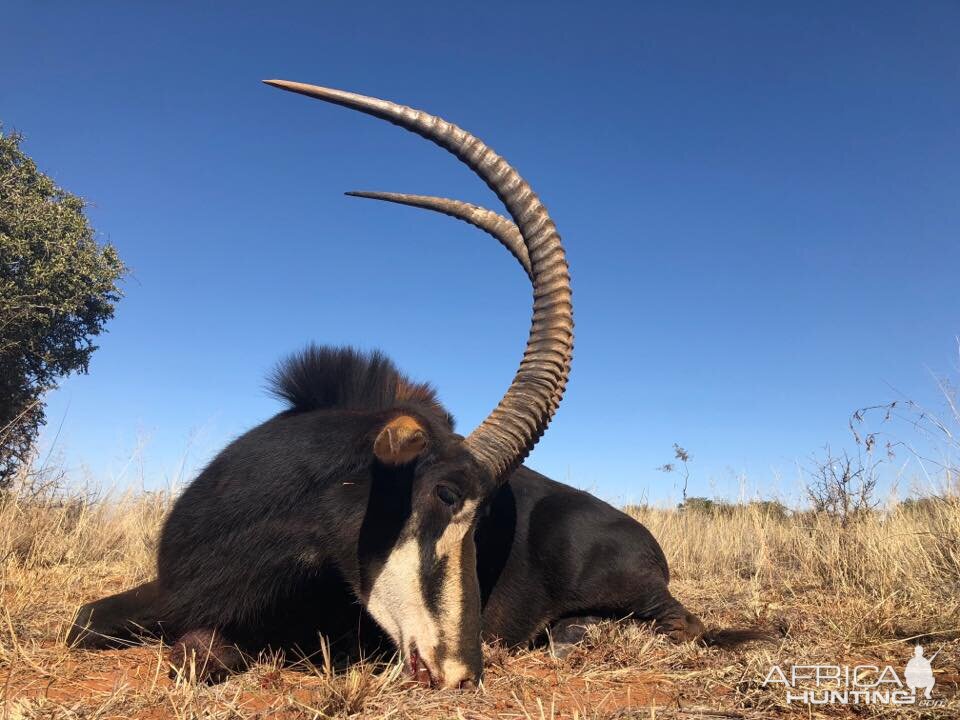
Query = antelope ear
x=401 y=440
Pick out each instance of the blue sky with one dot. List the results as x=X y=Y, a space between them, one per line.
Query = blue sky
x=759 y=203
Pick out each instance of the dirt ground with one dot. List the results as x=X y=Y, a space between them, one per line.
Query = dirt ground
x=622 y=670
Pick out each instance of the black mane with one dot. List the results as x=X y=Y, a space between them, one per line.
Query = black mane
x=322 y=377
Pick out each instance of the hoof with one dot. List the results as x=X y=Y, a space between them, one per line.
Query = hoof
x=201 y=656
x=681 y=628
x=567 y=634
x=561 y=650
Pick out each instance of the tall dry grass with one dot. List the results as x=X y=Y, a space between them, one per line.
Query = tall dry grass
x=47 y=529
x=907 y=552
x=896 y=570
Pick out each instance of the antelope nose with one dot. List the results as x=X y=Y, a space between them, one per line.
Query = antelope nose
x=460 y=676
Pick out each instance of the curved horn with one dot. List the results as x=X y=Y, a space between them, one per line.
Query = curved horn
x=506 y=436
x=501 y=228
x=490 y=222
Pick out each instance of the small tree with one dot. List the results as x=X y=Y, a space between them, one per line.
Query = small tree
x=684 y=458
x=842 y=486
x=57 y=290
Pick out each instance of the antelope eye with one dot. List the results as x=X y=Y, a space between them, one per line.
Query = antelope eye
x=448 y=494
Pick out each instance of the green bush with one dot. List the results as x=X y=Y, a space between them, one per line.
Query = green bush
x=58 y=288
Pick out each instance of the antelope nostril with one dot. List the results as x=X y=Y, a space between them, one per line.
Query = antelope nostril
x=467 y=684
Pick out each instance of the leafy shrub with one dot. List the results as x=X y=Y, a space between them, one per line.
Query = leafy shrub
x=58 y=288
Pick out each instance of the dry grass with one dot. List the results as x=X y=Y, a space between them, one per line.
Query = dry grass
x=836 y=596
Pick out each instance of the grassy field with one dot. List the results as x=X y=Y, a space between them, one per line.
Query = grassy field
x=863 y=594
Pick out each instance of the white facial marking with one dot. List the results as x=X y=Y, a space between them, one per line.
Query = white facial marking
x=450 y=546
x=397 y=602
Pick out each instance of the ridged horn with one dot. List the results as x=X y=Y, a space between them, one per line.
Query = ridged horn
x=504 y=439
x=501 y=228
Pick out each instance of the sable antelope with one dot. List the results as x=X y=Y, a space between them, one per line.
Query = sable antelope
x=360 y=492
x=548 y=556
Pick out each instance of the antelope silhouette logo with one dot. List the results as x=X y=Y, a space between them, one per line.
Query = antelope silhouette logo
x=918 y=673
